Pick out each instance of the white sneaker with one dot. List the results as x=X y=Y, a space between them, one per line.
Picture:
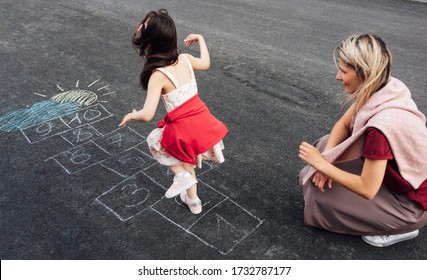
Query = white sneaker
x=180 y=184
x=387 y=240
x=194 y=205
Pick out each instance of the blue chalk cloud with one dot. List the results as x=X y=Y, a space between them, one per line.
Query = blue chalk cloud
x=39 y=112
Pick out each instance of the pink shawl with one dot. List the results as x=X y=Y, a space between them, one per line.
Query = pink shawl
x=394 y=113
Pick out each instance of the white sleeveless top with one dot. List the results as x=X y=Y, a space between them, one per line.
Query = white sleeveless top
x=182 y=93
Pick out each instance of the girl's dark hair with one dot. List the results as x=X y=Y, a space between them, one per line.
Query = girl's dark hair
x=156 y=40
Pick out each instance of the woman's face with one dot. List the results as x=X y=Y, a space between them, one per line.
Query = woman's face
x=348 y=77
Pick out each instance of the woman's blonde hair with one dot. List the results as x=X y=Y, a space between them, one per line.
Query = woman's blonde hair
x=369 y=56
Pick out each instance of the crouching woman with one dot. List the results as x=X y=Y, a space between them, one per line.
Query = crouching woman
x=368 y=177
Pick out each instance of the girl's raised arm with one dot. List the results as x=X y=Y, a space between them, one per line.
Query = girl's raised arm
x=204 y=62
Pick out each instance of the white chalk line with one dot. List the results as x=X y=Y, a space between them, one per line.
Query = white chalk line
x=94 y=82
x=109 y=209
x=60 y=88
x=102 y=87
x=39 y=94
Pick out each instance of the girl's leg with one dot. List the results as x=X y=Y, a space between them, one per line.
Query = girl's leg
x=192 y=191
x=182 y=180
x=177 y=168
x=189 y=196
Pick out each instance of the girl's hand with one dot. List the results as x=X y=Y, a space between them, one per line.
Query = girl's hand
x=192 y=39
x=128 y=118
x=319 y=180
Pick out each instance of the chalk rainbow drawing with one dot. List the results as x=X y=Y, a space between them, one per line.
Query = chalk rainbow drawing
x=59 y=105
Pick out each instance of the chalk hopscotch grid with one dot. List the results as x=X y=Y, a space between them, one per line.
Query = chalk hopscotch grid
x=59 y=127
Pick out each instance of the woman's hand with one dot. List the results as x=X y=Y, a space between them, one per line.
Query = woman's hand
x=311 y=155
x=319 y=179
x=128 y=118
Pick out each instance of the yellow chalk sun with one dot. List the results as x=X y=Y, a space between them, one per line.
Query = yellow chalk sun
x=85 y=97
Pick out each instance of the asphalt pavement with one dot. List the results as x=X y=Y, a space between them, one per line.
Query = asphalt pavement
x=75 y=186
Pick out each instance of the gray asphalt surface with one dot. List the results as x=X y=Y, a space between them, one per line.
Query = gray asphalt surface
x=272 y=82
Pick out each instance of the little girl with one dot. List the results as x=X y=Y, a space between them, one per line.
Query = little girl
x=189 y=133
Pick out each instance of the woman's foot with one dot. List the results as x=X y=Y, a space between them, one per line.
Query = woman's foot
x=181 y=182
x=387 y=240
x=194 y=205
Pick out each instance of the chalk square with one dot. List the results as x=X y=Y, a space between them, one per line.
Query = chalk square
x=131 y=196
x=81 y=157
x=80 y=135
x=87 y=115
x=179 y=213
x=129 y=162
x=105 y=125
x=44 y=130
x=119 y=140
x=225 y=226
